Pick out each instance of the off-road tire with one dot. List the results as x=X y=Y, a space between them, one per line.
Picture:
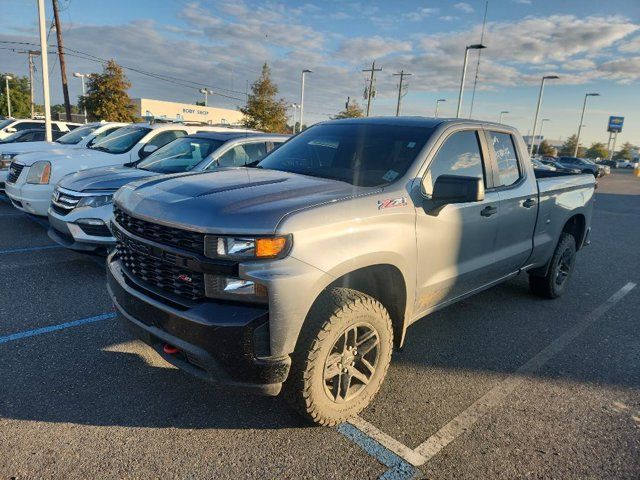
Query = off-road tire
x=333 y=313
x=547 y=286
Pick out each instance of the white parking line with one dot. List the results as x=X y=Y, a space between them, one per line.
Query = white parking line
x=465 y=420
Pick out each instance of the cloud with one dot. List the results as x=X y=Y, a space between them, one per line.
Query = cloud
x=631 y=46
x=358 y=49
x=464 y=7
x=522 y=2
x=420 y=14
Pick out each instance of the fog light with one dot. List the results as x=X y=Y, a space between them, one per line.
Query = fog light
x=232 y=288
x=96 y=222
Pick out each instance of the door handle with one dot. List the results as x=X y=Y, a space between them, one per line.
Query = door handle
x=488 y=211
x=528 y=203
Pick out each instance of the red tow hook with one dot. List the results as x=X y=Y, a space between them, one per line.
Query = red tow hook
x=170 y=349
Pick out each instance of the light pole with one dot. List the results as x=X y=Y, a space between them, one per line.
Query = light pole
x=295 y=107
x=475 y=46
x=502 y=113
x=540 y=134
x=302 y=96
x=206 y=92
x=438 y=105
x=535 y=118
x=584 y=106
x=6 y=82
x=84 y=93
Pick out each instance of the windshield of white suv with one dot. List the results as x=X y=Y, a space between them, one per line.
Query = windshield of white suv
x=181 y=155
x=359 y=154
x=122 y=140
x=75 y=136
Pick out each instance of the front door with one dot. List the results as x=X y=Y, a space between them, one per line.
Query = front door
x=455 y=247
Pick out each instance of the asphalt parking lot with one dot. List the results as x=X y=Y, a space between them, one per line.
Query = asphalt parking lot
x=503 y=385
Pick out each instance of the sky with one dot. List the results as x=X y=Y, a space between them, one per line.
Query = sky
x=594 y=46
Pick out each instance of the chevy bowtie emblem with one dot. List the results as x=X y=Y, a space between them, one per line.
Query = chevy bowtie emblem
x=183 y=277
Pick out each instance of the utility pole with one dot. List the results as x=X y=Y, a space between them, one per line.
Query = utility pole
x=45 y=70
x=31 y=87
x=373 y=70
x=63 y=66
x=402 y=74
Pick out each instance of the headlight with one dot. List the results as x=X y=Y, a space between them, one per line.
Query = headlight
x=246 y=248
x=97 y=201
x=4 y=164
x=39 y=173
x=5 y=160
x=231 y=288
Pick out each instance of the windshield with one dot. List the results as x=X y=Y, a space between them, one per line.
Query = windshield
x=4 y=123
x=359 y=154
x=74 y=136
x=181 y=155
x=122 y=140
x=15 y=137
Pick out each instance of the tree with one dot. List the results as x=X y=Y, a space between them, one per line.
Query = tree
x=106 y=97
x=624 y=153
x=19 y=94
x=545 y=149
x=353 y=110
x=263 y=111
x=200 y=104
x=597 y=150
x=569 y=147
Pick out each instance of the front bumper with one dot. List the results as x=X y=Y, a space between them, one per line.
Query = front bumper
x=3 y=178
x=64 y=229
x=30 y=198
x=217 y=341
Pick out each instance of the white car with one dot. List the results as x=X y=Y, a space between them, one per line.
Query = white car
x=80 y=137
x=627 y=164
x=9 y=126
x=33 y=176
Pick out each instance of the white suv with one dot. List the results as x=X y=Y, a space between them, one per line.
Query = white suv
x=9 y=126
x=33 y=176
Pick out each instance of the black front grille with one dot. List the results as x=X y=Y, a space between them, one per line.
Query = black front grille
x=160 y=273
x=191 y=241
x=14 y=172
x=95 y=230
x=62 y=202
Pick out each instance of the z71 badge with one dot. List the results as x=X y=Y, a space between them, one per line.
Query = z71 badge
x=392 y=203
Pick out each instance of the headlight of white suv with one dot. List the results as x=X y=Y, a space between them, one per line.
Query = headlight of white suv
x=39 y=173
x=97 y=201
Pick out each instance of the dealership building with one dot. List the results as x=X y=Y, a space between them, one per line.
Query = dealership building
x=147 y=108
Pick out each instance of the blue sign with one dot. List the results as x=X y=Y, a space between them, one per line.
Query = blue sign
x=615 y=124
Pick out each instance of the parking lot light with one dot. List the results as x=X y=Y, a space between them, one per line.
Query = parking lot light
x=6 y=80
x=502 y=114
x=476 y=46
x=535 y=118
x=302 y=95
x=438 y=105
x=81 y=76
x=584 y=106
x=206 y=92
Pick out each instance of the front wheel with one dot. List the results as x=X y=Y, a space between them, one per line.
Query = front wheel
x=554 y=283
x=341 y=358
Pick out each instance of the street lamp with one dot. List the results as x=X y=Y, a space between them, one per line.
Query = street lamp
x=502 y=113
x=584 y=106
x=438 y=105
x=302 y=96
x=206 y=92
x=540 y=134
x=535 y=119
x=6 y=80
x=476 y=46
x=81 y=77
x=295 y=107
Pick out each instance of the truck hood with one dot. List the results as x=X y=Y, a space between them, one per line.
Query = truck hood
x=103 y=178
x=82 y=157
x=24 y=147
x=231 y=201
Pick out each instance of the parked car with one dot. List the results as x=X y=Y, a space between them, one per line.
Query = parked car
x=627 y=164
x=81 y=137
x=33 y=176
x=539 y=165
x=609 y=163
x=581 y=164
x=32 y=135
x=81 y=207
x=305 y=272
x=9 y=126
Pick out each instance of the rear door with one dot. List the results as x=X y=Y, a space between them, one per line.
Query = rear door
x=455 y=246
x=518 y=193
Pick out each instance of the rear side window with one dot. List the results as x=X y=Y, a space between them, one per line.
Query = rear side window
x=506 y=158
x=460 y=155
x=28 y=126
x=163 y=138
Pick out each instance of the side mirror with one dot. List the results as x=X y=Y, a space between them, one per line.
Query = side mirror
x=147 y=150
x=457 y=189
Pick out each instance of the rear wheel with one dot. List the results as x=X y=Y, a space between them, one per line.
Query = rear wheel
x=341 y=358
x=554 y=283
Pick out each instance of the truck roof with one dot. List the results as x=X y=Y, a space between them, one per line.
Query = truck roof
x=233 y=135
x=417 y=121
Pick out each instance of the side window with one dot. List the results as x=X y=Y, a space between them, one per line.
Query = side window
x=460 y=155
x=27 y=126
x=255 y=151
x=506 y=158
x=235 y=157
x=165 y=137
x=55 y=127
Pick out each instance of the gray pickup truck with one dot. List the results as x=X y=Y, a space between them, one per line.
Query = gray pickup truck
x=302 y=273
